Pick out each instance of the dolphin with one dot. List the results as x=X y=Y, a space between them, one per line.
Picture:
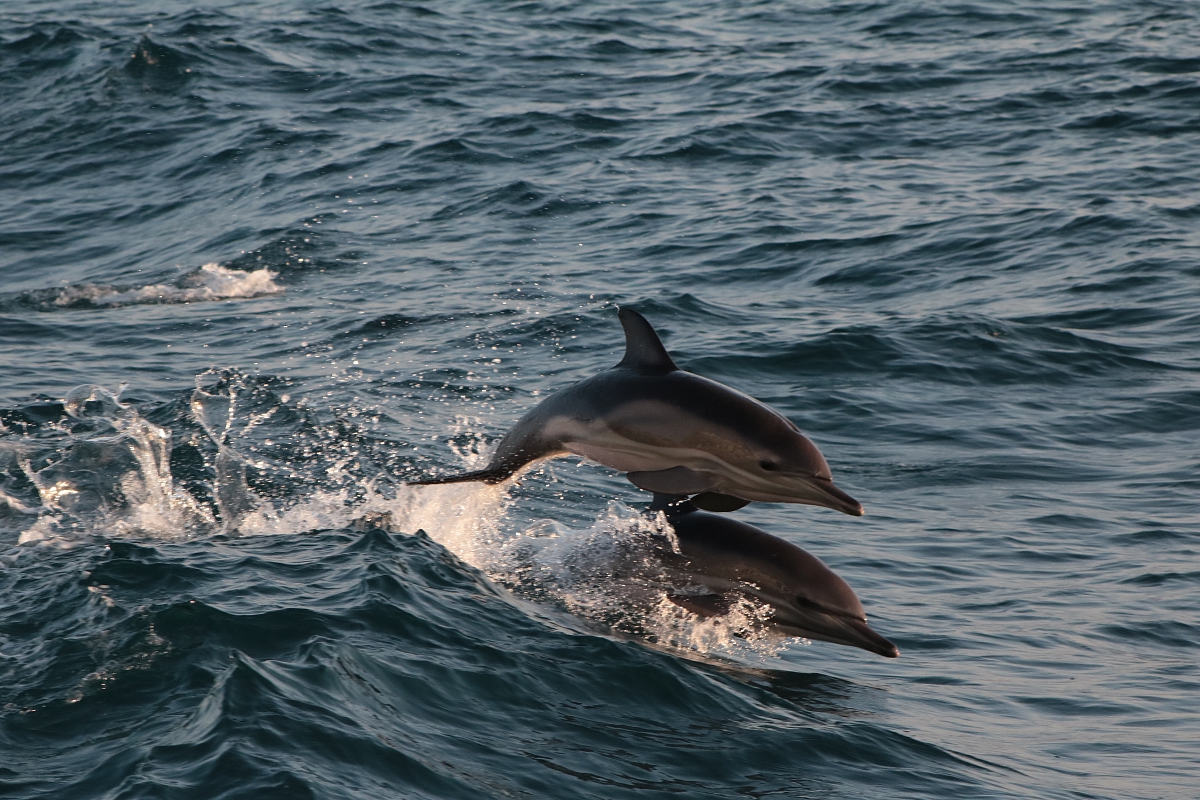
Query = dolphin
x=730 y=559
x=672 y=432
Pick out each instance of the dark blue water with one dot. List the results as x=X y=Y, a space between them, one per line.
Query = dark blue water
x=261 y=262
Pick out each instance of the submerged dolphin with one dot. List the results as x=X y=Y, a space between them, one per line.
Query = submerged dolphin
x=673 y=432
x=730 y=558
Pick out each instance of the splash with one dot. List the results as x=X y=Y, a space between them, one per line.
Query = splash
x=103 y=468
x=215 y=412
x=613 y=573
x=109 y=462
x=100 y=467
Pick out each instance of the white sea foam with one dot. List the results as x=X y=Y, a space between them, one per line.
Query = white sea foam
x=209 y=282
x=612 y=572
x=608 y=573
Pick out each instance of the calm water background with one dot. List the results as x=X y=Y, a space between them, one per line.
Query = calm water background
x=295 y=253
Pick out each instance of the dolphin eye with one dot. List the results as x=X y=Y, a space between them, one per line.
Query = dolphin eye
x=769 y=466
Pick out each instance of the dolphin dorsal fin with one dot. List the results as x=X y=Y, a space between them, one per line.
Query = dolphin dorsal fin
x=644 y=351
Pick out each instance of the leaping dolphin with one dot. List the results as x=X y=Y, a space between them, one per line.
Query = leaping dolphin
x=729 y=558
x=672 y=432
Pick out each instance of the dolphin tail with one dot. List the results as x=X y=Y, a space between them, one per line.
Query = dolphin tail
x=488 y=475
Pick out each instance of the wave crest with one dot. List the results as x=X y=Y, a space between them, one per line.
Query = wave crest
x=209 y=282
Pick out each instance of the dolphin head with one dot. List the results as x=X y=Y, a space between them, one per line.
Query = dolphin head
x=759 y=454
x=806 y=598
x=809 y=599
x=784 y=465
x=681 y=433
x=815 y=613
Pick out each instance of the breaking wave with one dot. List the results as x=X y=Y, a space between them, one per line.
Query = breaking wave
x=207 y=283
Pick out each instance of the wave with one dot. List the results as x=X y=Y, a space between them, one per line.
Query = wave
x=357 y=656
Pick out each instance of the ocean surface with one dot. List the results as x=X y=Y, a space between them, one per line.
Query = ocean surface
x=262 y=262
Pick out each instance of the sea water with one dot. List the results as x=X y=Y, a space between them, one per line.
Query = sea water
x=263 y=262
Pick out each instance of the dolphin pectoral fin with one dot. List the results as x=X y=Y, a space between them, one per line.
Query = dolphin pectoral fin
x=676 y=480
x=715 y=501
x=705 y=605
x=484 y=475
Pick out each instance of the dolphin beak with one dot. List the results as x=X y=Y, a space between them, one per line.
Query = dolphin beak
x=825 y=627
x=836 y=499
x=861 y=635
x=796 y=487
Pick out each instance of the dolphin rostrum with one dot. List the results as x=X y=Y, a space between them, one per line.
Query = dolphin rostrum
x=672 y=432
x=729 y=558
